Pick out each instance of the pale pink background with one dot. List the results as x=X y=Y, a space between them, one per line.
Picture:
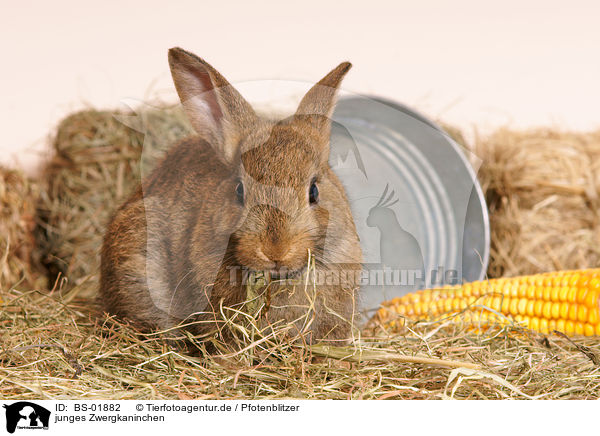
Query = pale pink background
x=515 y=62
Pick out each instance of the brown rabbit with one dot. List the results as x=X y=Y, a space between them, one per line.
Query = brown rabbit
x=246 y=193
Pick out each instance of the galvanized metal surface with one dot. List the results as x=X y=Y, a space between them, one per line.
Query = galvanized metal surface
x=440 y=213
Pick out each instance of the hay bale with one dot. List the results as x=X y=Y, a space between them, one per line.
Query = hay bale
x=18 y=197
x=95 y=165
x=542 y=188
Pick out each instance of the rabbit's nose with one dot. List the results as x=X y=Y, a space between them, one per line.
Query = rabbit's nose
x=276 y=254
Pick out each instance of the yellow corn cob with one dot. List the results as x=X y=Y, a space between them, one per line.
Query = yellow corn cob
x=567 y=301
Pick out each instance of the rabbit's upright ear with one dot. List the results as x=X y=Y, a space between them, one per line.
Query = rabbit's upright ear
x=317 y=105
x=216 y=110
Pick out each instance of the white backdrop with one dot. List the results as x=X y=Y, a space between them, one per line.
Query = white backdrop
x=522 y=63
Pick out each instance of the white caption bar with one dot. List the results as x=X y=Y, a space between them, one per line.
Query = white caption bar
x=285 y=417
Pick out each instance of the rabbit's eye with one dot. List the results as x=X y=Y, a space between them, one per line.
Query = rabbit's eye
x=313 y=193
x=239 y=192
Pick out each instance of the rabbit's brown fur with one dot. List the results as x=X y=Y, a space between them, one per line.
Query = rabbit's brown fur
x=169 y=250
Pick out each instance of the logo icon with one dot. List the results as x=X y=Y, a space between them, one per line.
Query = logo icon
x=26 y=415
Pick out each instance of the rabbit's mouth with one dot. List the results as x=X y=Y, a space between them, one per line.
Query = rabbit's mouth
x=284 y=273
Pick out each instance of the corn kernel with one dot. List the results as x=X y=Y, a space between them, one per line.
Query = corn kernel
x=513 y=307
x=530 y=307
x=468 y=288
x=447 y=305
x=538 y=307
x=572 y=295
x=574 y=280
x=505 y=305
x=593 y=316
x=440 y=306
x=554 y=292
x=588 y=329
x=486 y=301
x=582 y=313
x=581 y=294
x=497 y=304
x=562 y=295
x=573 y=312
x=539 y=293
x=522 y=290
x=591 y=299
x=417 y=307
x=455 y=304
x=522 y=306
x=544 y=325
x=546 y=295
x=547 y=310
